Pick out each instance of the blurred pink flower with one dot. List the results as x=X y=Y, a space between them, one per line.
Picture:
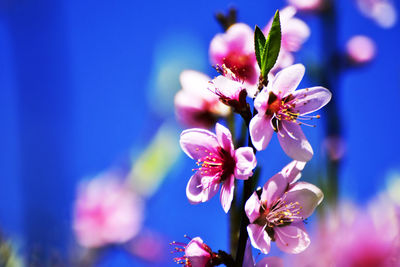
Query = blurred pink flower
x=265 y=262
x=148 y=245
x=235 y=50
x=106 y=212
x=282 y=109
x=197 y=253
x=278 y=214
x=360 y=49
x=306 y=5
x=195 y=105
x=349 y=237
x=294 y=33
x=382 y=12
x=219 y=164
x=335 y=147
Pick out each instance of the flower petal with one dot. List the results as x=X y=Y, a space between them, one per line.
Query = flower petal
x=261 y=101
x=245 y=162
x=292 y=238
x=196 y=253
x=311 y=99
x=252 y=207
x=195 y=191
x=270 y=262
x=198 y=143
x=248 y=260
x=224 y=137
x=273 y=189
x=196 y=83
x=227 y=191
x=239 y=38
x=295 y=33
x=308 y=195
x=260 y=131
x=259 y=238
x=227 y=87
x=287 y=80
x=292 y=171
x=294 y=143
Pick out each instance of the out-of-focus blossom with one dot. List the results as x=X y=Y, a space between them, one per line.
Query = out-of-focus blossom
x=278 y=214
x=219 y=163
x=360 y=49
x=197 y=253
x=265 y=262
x=149 y=246
x=195 y=105
x=294 y=33
x=235 y=50
x=351 y=237
x=106 y=212
x=382 y=12
x=282 y=109
x=306 y=5
x=335 y=147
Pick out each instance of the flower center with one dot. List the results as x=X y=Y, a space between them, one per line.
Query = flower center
x=219 y=164
x=240 y=64
x=284 y=109
x=280 y=213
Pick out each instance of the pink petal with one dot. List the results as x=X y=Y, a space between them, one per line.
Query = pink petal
x=239 y=37
x=311 y=99
x=248 y=260
x=270 y=262
x=197 y=255
x=245 y=162
x=273 y=189
x=287 y=80
x=295 y=33
x=308 y=195
x=198 y=143
x=226 y=86
x=294 y=143
x=227 y=191
x=260 y=131
x=195 y=191
x=261 y=101
x=292 y=238
x=292 y=171
x=196 y=83
x=259 y=238
x=224 y=138
x=252 y=207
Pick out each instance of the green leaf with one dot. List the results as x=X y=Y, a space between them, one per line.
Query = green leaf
x=259 y=43
x=272 y=46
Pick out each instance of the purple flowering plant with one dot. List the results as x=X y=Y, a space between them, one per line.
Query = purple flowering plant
x=252 y=75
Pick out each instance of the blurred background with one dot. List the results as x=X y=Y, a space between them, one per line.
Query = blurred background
x=88 y=86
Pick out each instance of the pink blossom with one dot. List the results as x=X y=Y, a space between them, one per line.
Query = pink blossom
x=382 y=12
x=106 y=212
x=229 y=89
x=265 y=262
x=219 y=163
x=278 y=214
x=235 y=50
x=197 y=253
x=349 y=237
x=195 y=105
x=360 y=49
x=282 y=109
x=294 y=33
x=307 y=5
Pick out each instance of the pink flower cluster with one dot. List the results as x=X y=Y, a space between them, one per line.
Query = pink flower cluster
x=277 y=212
